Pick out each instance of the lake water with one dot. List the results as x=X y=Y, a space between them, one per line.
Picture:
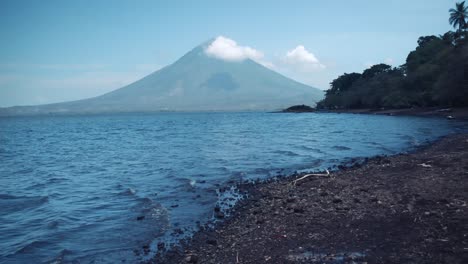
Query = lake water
x=72 y=188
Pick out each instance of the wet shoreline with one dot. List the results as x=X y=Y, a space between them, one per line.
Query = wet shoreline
x=398 y=209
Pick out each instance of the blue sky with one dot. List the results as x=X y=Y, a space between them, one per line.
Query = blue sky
x=54 y=51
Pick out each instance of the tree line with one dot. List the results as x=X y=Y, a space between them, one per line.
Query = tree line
x=435 y=74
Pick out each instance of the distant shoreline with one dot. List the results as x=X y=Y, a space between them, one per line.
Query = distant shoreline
x=455 y=113
x=460 y=113
x=402 y=208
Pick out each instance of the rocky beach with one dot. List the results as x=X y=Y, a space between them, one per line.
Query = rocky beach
x=407 y=208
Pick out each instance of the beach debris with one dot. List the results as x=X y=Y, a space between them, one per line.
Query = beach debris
x=312 y=174
x=192 y=183
x=424 y=165
x=444 y=110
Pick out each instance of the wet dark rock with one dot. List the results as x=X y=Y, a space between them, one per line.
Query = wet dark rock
x=219 y=214
x=146 y=249
x=178 y=231
x=141 y=217
x=161 y=246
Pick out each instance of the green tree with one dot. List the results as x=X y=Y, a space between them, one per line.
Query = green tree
x=458 y=16
x=434 y=75
x=376 y=69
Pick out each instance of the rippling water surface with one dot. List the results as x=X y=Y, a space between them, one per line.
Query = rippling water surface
x=98 y=188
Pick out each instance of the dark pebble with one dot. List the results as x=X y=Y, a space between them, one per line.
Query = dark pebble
x=337 y=200
x=219 y=215
x=299 y=210
x=191 y=259
x=212 y=242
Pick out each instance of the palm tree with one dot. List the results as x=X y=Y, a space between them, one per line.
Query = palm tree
x=458 y=16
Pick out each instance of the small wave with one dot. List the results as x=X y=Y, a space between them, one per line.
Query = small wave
x=36 y=186
x=11 y=203
x=24 y=171
x=146 y=200
x=316 y=163
x=312 y=149
x=128 y=192
x=187 y=183
x=53 y=224
x=341 y=148
x=60 y=257
x=286 y=152
x=7 y=196
x=32 y=246
x=57 y=180
x=263 y=171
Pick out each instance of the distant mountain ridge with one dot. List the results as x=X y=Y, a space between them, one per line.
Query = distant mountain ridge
x=195 y=82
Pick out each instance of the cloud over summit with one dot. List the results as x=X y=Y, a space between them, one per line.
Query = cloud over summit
x=298 y=59
x=227 y=49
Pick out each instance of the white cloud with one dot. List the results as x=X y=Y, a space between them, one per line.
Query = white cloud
x=304 y=60
x=227 y=49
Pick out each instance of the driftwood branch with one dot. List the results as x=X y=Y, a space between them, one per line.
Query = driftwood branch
x=424 y=165
x=312 y=174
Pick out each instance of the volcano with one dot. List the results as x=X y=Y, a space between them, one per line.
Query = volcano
x=195 y=82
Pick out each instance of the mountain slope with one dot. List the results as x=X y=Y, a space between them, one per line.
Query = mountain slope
x=195 y=82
